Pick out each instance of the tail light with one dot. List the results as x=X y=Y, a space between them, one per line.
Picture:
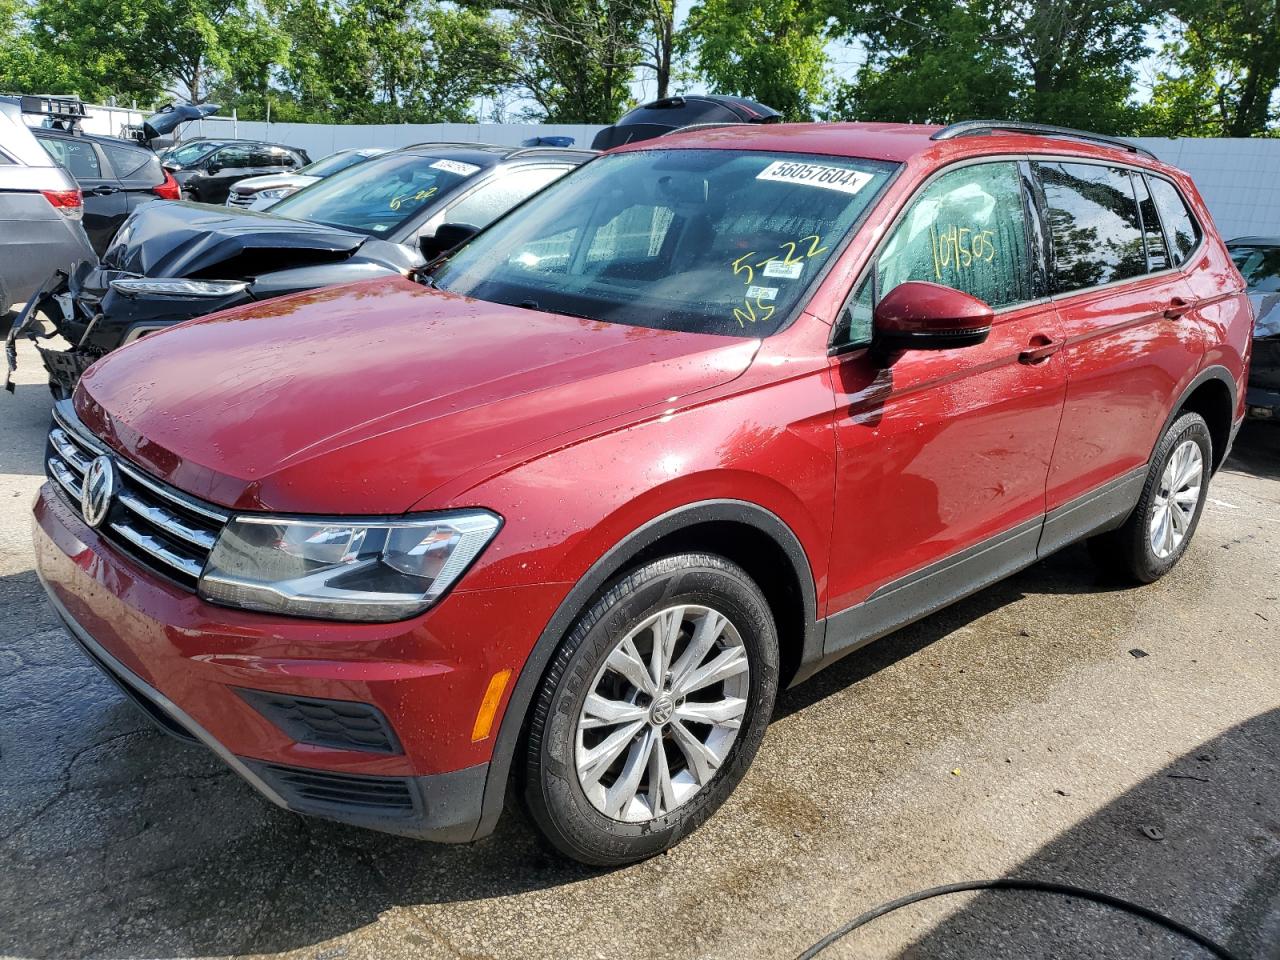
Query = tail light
x=69 y=203
x=169 y=190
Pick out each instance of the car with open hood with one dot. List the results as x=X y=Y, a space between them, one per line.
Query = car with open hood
x=1258 y=259
x=259 y=193
x=382 y=217
x=564 y=514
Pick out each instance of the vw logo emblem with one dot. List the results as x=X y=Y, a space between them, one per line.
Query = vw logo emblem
x=98 y=489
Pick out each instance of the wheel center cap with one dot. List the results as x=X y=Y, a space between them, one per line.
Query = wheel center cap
x=662 y=710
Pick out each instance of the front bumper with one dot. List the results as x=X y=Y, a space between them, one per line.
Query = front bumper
x=188 y=664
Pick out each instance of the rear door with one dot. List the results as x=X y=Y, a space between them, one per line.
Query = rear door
x=943 y=455
x=1132 y=340
x=104 y=202
x=138 y=172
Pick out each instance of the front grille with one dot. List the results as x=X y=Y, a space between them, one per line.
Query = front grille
x=240 y=199
x=343 y=724
x=321 y=792
x=162 y=528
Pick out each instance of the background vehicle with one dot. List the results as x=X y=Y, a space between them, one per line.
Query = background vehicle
x=206 y=169
x=259 y=193
x=115 y=176
x=684 y=428
x=174 y=261
x=660 y=117
x=1258 y=260
x=40 y=211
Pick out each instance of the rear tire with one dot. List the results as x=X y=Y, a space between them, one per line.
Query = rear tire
x=1159 y=530
x=627 y=773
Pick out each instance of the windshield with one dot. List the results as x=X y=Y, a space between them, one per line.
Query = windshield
x=378 y=196
x=191 y=152
x=333 y=163
x=705 y=241
x=1260 y=267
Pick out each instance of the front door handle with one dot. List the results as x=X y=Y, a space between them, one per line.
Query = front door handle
x=1177 y=307
x=1040 y=350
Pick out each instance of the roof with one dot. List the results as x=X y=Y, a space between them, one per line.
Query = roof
x=895 y=142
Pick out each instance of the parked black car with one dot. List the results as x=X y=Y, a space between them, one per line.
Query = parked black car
x=174 y=261
x=207 y=169
x=116 y=176
x=1258 y=260
x=657 y=117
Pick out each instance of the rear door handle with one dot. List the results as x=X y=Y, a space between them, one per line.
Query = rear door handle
x=105 y=190
x=1177 y=307
x=1041 y=349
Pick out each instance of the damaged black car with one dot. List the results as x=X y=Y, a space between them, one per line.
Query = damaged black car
x=1258 y=260
x=175 y=261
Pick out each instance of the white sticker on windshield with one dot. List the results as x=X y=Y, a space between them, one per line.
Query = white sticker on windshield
x=815 y=175
x=455 y=166
x=762 y=293
x=784 y=270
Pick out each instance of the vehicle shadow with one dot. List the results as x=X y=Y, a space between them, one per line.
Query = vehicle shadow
x=1198 y=841
x=24 y=424
x=1256 y=450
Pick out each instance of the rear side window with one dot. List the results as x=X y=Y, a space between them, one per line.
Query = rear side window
x=966 y=230
x=77 y=156
x=128 y=163
x=1157 y=251
x=1093 y=223
x=1179 y=224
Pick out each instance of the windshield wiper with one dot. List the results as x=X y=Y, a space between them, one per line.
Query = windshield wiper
x=534 y=305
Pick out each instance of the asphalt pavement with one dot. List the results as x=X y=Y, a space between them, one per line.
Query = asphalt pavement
x=1057 y=726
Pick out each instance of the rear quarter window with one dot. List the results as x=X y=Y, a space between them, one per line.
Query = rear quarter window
x=1179 y=225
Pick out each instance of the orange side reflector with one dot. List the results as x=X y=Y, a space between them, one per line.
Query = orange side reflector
x=489 y=705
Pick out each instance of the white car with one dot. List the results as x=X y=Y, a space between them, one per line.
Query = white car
x=259 y=193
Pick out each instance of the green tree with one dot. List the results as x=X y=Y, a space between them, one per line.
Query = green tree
x=1223 y=70
x=773 y=51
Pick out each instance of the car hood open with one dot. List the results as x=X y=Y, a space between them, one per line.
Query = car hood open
x=173 y=115
x=368 y=397
x=177 y=239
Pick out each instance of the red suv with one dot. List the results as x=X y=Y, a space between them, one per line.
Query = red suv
x=692 y=423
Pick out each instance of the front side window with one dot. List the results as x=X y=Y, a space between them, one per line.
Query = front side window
x=232 y=158
x=707 y=241
x=1179 y=224
x=1260 y=267
x=1093 y=223
x=379 y=196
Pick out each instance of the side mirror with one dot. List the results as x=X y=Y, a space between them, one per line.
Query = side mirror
x=918 y=315
x=212 y=168
x=446 y=237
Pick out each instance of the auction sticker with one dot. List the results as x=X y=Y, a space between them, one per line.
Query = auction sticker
x=815 y=175
x=762 y=293
x=783 y=269
x=455 y=166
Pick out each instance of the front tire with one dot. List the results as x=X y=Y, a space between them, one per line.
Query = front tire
x=1160 y=529
x=651 y=710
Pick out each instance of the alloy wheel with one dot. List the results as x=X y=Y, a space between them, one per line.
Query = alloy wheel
x=662 y=713
x=1176 y=499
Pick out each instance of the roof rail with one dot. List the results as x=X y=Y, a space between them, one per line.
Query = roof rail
x=707 y=126
x=980 y=128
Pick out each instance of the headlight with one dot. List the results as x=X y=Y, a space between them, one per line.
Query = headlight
x=377 y=570
x=177 y=287
x=275 y=193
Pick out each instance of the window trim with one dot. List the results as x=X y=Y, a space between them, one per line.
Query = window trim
x=1016 y=159
x=1055 y=297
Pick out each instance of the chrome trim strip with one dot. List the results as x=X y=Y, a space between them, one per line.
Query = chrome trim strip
x=150 y=545
x=160 y=700
x=173 y=496
x=64 y=478
x=166 y=521
x=68 y=451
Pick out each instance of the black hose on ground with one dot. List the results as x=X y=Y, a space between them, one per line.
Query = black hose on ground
x=1037 y=886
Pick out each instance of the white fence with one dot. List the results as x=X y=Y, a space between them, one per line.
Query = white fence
x=1239 y=178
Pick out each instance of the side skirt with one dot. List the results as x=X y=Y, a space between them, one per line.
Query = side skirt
x=1097 y=511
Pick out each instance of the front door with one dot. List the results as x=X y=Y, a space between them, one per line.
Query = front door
x=943 y=456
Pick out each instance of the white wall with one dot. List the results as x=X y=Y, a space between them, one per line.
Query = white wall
x=1239 y=179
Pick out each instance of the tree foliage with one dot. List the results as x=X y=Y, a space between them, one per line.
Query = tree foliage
x=773 y=51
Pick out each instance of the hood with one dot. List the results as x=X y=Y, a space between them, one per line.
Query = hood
x=172 y=116
x=178 y=239
x=1266 y=308
x=273 y=181
x=367 y=397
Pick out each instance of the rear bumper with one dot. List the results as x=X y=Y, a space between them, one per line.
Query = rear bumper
x=201 y=672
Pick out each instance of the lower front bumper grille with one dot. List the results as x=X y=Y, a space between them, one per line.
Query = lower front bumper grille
x=321 y=792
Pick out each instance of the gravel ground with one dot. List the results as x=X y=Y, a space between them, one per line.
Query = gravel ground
x=1017 y=734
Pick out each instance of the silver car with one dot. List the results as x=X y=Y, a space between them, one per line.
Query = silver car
x=40 y=212
x=259 y=193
